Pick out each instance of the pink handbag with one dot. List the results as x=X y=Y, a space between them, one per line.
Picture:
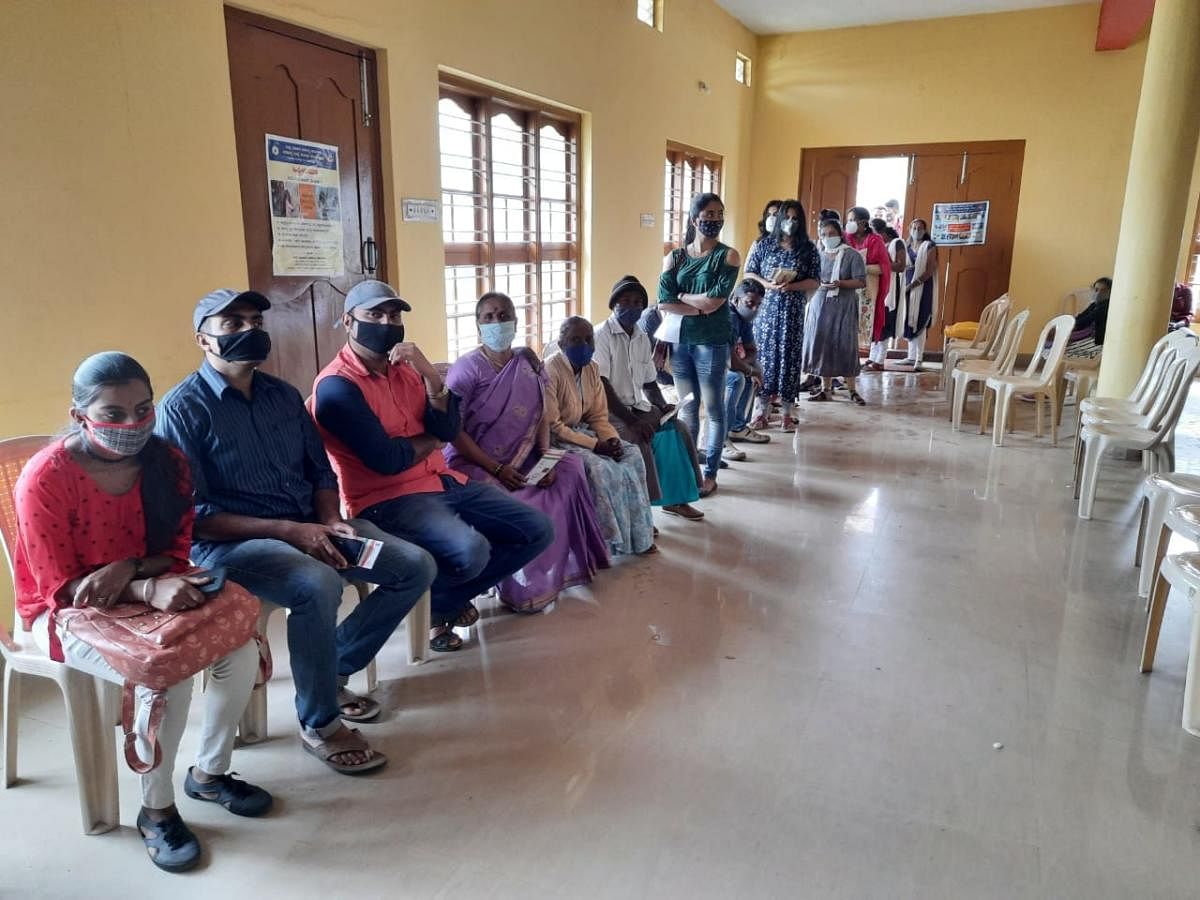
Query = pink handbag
x=156 y=649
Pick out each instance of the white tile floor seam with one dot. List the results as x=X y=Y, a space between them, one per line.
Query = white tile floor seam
x=798 y=697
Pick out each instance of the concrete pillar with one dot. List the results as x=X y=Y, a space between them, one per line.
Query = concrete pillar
x=1156 y=194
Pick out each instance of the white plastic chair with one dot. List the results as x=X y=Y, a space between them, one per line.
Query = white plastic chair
x=985 y=342
x=1153 y=436
x=1130 y=409
x=90 y=702
x=1039 y=379
x=253 y=725
x=978 y=371
x=1182 y=572
x=1160 y=493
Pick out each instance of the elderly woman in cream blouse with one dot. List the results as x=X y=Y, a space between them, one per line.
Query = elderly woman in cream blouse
x=578 y=414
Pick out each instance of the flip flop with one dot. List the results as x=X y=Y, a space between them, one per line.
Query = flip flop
x=325 y=749
x=857 y=399
x=818 y=397
x=370 y=709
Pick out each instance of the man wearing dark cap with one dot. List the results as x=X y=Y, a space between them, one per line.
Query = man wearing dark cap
x=385 y=414
x=267 y=510
x=636 y=406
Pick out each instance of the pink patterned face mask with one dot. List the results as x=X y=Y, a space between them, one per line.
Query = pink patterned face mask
x=121 y=438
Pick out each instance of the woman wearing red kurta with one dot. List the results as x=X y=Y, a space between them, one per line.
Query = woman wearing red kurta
x=104 y=516
x=859 y=235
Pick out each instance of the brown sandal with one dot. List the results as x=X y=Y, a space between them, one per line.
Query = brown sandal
x=348 y=740
x=368 y=708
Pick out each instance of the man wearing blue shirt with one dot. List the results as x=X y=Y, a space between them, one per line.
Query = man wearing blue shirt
x=745 y=375
x=267 y=509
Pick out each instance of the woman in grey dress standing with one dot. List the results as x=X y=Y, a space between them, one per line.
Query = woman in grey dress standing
x=831 y=340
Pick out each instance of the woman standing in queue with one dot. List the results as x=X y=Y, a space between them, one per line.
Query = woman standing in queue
x=893 y=302
x=785 y=263
x=921 y=295
x=831 y=342
x=695 y=284
x=858 y=234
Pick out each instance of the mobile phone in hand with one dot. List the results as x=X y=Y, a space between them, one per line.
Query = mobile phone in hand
x=218 y=580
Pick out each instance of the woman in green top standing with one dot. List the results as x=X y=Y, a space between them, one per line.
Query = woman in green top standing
x=696 y=282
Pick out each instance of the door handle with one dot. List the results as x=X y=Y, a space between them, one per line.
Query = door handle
x=370 y=255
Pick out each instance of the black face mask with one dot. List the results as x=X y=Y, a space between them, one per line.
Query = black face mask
x=376 y=336
x=245 y=346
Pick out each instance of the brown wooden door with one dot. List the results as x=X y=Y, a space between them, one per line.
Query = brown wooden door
x=294 y=83
x=828 y=180
x=973 y=276
x=933 y=178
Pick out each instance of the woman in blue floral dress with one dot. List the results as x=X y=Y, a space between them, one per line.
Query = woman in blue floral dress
x=786 y=263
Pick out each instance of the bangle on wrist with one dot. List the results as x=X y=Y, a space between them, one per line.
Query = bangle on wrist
x=496 y=471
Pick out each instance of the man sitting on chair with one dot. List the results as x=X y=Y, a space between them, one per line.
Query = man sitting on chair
x=267 y=510
x=386 y=414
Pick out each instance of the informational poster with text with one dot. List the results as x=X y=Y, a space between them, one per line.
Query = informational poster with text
x=959 y=224
x=306 y=209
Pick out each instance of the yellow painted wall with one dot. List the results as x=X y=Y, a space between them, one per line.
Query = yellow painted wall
x=121 y=203
x=1028 y=75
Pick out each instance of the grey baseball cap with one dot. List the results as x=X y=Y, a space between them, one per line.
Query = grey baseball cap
x=371 y=293
x=218 y=300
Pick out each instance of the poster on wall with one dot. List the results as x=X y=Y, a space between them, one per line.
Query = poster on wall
x=306 y=211
x=959 y=224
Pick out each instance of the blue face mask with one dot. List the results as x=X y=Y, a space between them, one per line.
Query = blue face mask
x=628 y=316
x=579 y=355
x=497 y=336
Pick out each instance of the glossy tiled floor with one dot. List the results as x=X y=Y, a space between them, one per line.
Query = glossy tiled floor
x=798 y=698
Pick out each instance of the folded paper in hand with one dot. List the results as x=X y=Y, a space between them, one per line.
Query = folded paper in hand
x=669 y=330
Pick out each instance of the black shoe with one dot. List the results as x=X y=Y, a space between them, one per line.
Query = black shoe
x=239 y=797
x=170 y=844
x=810 y=383
x=724 y=465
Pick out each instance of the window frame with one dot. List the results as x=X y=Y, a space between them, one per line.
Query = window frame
x=683 y=187
x=747 y=68
x=656 y=13
x=485 y=253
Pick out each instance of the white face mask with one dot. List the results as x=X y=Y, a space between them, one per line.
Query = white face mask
x=769 y=224
x=851 y=227
x=831 y=242
x=788 y=227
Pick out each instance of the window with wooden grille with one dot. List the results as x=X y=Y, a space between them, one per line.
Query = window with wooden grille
x=688 y=172
x=510 y=212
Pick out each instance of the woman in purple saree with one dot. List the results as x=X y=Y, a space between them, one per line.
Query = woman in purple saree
x=504 y=433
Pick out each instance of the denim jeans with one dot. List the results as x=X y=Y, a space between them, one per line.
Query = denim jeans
x=475 y=532
x=738 y=393
x=700 y=370
x=320 y=648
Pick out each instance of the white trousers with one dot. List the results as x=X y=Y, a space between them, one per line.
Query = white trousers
x=916 y=347
x=231 y=680
x=878 y=352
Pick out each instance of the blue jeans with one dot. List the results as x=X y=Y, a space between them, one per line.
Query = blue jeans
x=322 y=650
x=738 y=393
x=475 y=532
x=700 y=370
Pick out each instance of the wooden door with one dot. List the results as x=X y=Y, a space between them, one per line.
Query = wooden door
x=828 y=180
x=293 y=83
x=934 y=178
